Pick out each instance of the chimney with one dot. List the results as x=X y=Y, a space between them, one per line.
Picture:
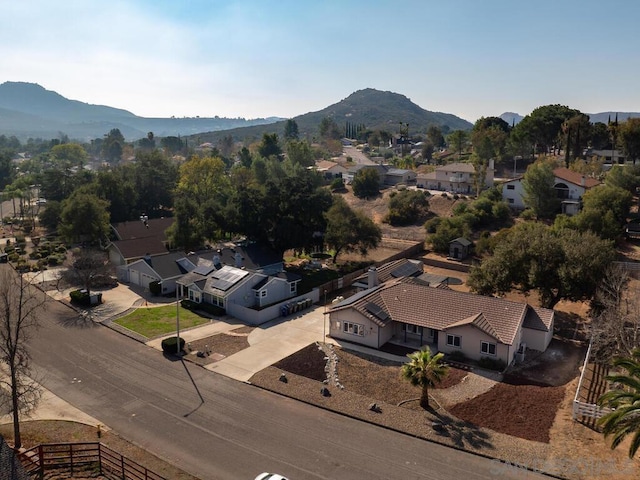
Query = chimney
x=372 y=277
x=583 y=181
x=238 y=259
x=216 y=261
x=147 y=258
x=492 y=164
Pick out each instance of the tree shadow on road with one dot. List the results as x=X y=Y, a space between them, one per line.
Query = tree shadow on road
x=81 y=320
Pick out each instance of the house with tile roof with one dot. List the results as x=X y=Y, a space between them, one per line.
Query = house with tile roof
x=570 y=186
x=330 y=170
x=403 y=267
x=409 y=312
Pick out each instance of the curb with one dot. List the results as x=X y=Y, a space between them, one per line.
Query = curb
x=506 y=463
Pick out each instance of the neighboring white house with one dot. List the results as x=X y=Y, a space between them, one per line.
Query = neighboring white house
x=395 y=176
x=409 y=312
x=330 y=170
x=455 y=177
x=570 y=186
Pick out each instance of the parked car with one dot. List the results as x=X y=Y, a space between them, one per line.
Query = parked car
x=270 y=476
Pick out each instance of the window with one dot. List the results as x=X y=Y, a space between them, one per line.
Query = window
x=219 y=301
x=511 y=200
x=412 y=329
x=488 y=348
x=511 y=187
x=454 y=340
x=353 y=328
x=293 y=287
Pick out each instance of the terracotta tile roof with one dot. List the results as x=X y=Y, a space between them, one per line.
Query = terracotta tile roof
x=325 y=164
x=411 y=302
x=456 y=167
x=575 y=177
x=386 y=271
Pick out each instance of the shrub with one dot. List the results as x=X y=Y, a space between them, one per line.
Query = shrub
x=492 y=364
x=155 y=288
x=337 y=184
x=211 y=309
x=528 y=214
x=80 y=297
x=53 y=260
x=457 y=356
x=432 y=225
x=445 y=195
x=169 y=345
x=13 y=257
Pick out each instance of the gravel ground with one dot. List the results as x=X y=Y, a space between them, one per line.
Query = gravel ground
x=218 y=346
x=366 y=383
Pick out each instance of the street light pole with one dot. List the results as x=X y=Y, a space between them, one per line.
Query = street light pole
x=177 y=322
x=324 y=318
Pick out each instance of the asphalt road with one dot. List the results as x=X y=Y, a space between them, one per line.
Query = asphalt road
x=238 y=430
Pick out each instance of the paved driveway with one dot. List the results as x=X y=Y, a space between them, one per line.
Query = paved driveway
x=271 y=342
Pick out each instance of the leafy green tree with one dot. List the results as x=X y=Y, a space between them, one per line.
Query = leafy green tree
x=577 y=131
x=71 y=154
x=329 y=129
x=629 y=136
x=434 y=135
x=155 y=180
x=245 y=158
x=623 y=176
x=291 y=130
x=406 y=207
x=50 y=216
x=349 y=230
x=543 y=126
x=113 y=146
x=366 y=183
x=269 y=146
x=457 y=140
x=202 y=194
x=624 y=400
x=299 y=151
x=557 y=263
x=606 y=198
x=448 y=229
x=7 y=170
x=84 y=217
x=148 y=142
x=600 y=138
x=117 y=186
x=424 y=370
x=539 y=194
x=172 y=145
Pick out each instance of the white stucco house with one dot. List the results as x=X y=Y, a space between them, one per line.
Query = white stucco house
x=409 y=312
x=570 y=186
x=455 y=177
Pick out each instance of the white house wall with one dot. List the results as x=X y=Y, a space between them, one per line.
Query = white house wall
x=514 y=197
x=471 y=339
x=370 y=329
x=537 y=339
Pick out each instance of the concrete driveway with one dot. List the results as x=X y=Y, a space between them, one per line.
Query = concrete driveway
x=271 y=342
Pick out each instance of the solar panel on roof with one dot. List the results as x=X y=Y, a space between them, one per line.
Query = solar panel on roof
x=204 y=269
x=227 y=277
x=407 y=270
x=377 y=311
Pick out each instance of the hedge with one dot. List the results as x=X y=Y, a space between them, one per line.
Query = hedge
x=169 y=345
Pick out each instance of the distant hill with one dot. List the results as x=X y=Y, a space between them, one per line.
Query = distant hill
x=373 y=108
x=511 y=118
x=29 y=110
x=604 y=117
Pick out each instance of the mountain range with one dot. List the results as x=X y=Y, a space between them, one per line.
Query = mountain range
x=602 y=117
x=29 y=110
x=375 y=109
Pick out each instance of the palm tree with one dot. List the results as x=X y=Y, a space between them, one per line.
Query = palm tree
x=424 y=370
x=624 y=419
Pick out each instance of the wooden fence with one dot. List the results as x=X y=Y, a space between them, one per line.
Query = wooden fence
x=82 y=459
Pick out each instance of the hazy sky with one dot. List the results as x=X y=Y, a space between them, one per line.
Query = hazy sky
x=259 y=58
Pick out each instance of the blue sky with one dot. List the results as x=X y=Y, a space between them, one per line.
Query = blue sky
x=253 y=58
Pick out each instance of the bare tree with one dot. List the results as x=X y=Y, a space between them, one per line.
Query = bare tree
x=87 y=268
x=615 y=327
x=20 y=307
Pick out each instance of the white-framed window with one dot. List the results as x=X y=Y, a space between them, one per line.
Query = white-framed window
x=353 y=328
x=454 y=340
x=487 y=348
x=219 y=301
x=511 y=187
x=415 y=329
x=261 y=293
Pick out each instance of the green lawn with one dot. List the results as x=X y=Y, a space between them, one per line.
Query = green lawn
x=154 y=321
